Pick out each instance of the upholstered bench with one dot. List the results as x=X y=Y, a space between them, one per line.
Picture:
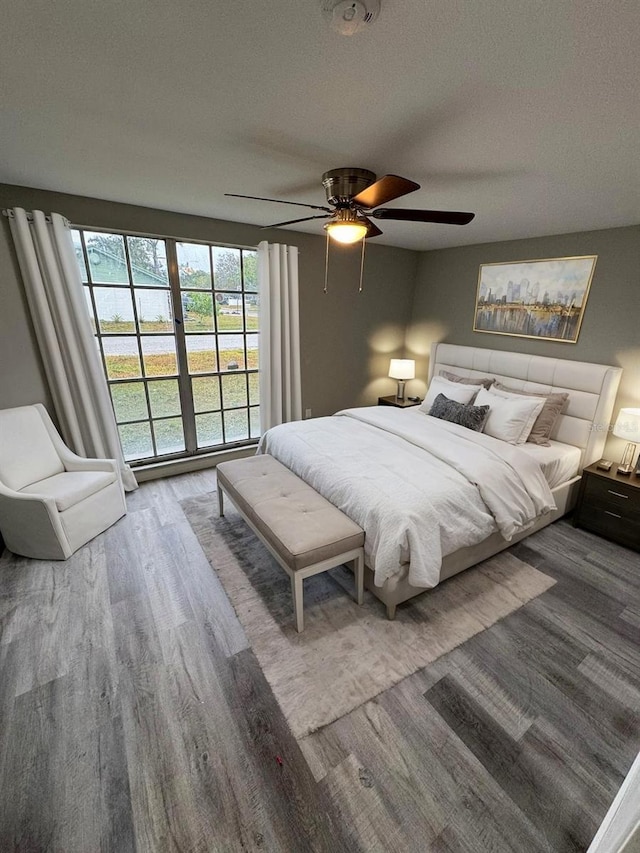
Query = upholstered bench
x=303 y=531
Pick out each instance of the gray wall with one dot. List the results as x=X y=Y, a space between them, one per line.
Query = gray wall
x=445 y=293
x=347 y=337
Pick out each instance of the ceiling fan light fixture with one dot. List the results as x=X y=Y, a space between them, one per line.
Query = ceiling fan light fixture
x=346 y=228
x=346 y=232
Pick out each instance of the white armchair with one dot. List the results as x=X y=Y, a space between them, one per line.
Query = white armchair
x=51 y=501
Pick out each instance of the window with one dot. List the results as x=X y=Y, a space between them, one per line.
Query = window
x=176 y=325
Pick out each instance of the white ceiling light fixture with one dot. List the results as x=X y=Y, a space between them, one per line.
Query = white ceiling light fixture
x=346 y=228
x=348 y=17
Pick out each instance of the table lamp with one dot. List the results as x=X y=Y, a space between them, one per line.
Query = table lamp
x=627 y=426
x=402 y=369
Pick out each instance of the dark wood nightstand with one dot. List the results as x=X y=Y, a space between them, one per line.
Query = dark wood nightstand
x=609 y=504
x=399 y=404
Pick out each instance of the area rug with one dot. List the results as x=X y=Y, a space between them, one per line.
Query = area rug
x=347 y=654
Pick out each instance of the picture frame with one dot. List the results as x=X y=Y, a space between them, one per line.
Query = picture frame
x=543 y=299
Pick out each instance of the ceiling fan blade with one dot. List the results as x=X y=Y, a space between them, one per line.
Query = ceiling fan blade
x=444 y=217
x=384 y=190
x=280 y=201
x=372 y=228
x=293 y=221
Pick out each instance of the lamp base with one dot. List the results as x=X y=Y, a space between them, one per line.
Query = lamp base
x=626 y=463
x=400 y=391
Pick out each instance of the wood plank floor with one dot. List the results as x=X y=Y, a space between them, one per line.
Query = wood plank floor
x=134 y=716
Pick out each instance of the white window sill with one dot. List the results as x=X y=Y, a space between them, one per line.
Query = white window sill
x=156 y=470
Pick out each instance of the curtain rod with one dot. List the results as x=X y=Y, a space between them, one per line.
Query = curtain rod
x=152 y=236
x=8 y=212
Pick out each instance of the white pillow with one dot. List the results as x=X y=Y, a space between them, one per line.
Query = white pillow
x=458 y=391
x=511 y=418
x=510 y=395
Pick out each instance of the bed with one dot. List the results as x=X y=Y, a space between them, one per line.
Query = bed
x=435 y=498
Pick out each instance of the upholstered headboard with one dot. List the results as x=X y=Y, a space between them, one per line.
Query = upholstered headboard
x=592 y=388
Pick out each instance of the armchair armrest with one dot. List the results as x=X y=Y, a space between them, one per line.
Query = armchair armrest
x=79 y=463
x=71 y=460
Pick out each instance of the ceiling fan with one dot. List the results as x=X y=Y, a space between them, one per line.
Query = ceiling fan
x=355 y=195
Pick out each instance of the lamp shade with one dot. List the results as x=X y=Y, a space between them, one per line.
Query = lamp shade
x=403 y=368
x=346 y=232
x=627 y=425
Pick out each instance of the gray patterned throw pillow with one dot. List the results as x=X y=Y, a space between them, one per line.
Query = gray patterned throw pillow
x=471 y=417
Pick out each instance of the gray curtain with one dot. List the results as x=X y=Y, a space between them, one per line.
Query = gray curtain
x=280 y=384
x=72 y=364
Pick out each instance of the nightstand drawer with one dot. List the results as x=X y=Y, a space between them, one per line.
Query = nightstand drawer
x=612 y=523
x=611 y=490
x=614 y=496
x=609 y=504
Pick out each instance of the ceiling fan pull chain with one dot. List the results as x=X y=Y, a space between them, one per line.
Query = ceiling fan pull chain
x=364 y=243
x=326 y=264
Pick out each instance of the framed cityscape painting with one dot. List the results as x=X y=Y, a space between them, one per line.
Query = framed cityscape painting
x=534 y=299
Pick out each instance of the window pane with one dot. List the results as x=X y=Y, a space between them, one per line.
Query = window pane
x=206 y=393
x=129 y=401
x=115 y=310
x=209 y=429
x=231 y=352
x=169 y=435
x=254 y=389
x=164 y=398
x=236 y=425
x=230 y=303
x=77 y=246
x=106 y=258
x=201 y=353
x=253 y=342
x=159 y=354
x=92 y=319
x=136 y=441
x=154 y=310
x=254 y=417
x=194 y=266
x=137 y=336
x=226 y=268
x=197 y=308
x=230 y=317
x=249 y=268
x=121 y=357
x=148 y=259
x=251 y=312
x=234 y=390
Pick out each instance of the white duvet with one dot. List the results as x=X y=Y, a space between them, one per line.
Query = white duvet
x=420 y=487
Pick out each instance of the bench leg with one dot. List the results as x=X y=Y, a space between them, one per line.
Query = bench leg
x=296 y=590
x=358 y=577
x=221 y=502
x=391 y=611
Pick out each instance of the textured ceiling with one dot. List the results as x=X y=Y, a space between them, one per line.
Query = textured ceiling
x=527 y=113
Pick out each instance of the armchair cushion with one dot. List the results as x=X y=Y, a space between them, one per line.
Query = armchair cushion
x=27 y=453
x=71 y=487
